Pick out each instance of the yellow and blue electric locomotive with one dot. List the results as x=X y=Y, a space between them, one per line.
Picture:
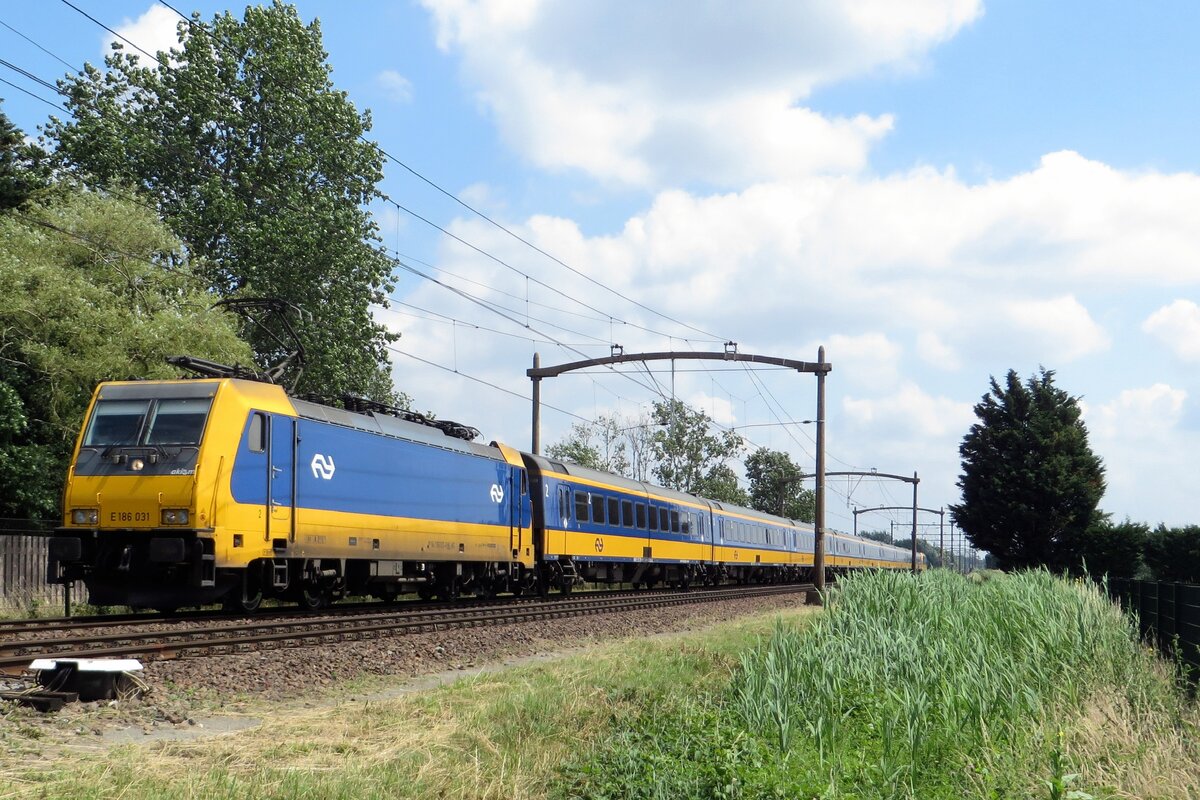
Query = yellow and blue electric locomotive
x=195 y=491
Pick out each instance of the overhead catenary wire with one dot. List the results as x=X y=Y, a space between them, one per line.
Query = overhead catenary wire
x=50 y=53
x=430 y=315
x=492 y=257
x=195 y=24
x=497 y=387
x=34 y=95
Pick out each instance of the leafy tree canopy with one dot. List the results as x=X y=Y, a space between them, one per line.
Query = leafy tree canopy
x=256 y=163
x=720 y=482
x=20 y=175
x=95 y=289
x=1108 y=548
x=776 y=486
x=1030 y=483
x=601 y=445
x=1173 y=554
x=932 y=557
x=689 y=453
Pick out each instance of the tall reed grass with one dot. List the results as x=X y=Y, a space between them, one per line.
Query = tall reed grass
x=910 y=682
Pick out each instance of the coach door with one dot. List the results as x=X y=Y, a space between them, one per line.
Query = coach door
x=281 y=496
x=517 y=493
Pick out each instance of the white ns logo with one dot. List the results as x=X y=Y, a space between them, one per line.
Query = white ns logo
x=497 y=493
x=322 y=466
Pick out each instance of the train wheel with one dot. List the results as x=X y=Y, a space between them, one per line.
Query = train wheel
x=247 y=598
x=314 y=598
x=242 y=604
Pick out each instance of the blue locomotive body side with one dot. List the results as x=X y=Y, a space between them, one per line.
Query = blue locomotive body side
x=368 y=476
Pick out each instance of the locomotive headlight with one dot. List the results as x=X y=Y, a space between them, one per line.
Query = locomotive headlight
x=174 y=516
x=85 y=516
x=137 y=465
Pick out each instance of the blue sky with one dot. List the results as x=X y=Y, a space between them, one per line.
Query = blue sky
x=935 y=190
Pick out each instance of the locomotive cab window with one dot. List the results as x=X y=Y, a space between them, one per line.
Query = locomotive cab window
x=178 y=421
x=116 y=422
x=257 y=434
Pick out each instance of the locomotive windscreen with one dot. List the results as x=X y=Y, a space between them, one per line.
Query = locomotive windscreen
x=167 y=421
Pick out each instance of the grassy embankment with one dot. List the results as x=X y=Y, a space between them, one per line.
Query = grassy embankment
x=924 y=688
x=937 y=687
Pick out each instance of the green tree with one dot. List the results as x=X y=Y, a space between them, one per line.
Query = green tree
x=95 y=289
x=688 y=452
x=720 y=482
x=932 y=558
x=1173 y=554
x=1108 y=548
x=256 y=162
x=20 y=176
x=878 y=536
x=776 y=485
x=1030 y=483
x=600 y=445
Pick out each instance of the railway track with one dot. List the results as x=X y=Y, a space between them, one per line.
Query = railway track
x=51 y=625
x=232 y=635
x=46 y=627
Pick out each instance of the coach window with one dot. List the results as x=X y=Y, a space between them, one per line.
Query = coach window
x=614 y=511
x=653 y=520
x=674 y=521
x=627 y=513
x=641 y=515
x=664 y=519
x=581 y=506
x=597 y=509
x=685 y=527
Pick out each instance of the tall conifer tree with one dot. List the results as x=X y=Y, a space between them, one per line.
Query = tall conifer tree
x=1030 y=482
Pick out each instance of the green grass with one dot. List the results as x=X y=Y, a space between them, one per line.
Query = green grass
x=930 y=687
x=920 y=687
x=497 y=735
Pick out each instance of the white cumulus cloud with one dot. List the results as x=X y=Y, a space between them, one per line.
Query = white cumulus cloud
x=1063 y=327
x=154 y=31
x=694 y=92
x=397 y=87
x=1178 y=327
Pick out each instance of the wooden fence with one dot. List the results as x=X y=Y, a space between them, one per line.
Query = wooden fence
x=1169 y=615
x=23 y=552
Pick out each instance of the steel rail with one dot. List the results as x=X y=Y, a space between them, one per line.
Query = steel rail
x=225 y=639
x=137 y=619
